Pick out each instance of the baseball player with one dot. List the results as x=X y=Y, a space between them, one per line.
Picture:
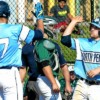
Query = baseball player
x=49 y=58
x=87 y=65
x=10 y=51
x=28 y=62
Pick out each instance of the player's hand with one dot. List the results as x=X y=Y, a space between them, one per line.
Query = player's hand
x=38 y=11
x=68 y=89
x=77 y=19
x=94 y=72
x=55 y=88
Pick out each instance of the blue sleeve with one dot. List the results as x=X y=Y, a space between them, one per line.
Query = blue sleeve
x=66 y=40
x=24 y=61
x=28 y=57
x=38 y=35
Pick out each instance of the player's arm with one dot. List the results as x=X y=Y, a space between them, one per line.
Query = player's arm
x=40 y=25
x=66 y=36
x=71 y=26
x=66 y=75
x=92 y=73
x=48 y=73
x=64 y=69
x=39 y=14
x=22 y=72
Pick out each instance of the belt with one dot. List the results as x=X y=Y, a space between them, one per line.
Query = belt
x=90 y=82
x=5 y=67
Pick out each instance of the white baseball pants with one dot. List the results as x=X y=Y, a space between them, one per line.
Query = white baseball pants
x=10 y=84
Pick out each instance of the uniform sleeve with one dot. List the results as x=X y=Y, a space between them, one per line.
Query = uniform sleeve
x=38 y=35
x=28 y=35
x=24 y=61
x=68 y=41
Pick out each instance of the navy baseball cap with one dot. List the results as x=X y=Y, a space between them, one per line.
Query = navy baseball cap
x=96 y=22
x=4 y=9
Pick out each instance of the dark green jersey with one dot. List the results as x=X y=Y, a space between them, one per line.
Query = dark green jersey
x=49 y=52
x=60 y=13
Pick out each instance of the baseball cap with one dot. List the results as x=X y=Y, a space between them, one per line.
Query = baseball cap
x=96 y=22
x=4 y=9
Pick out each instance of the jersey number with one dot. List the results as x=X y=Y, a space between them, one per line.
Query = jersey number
x=5 y=43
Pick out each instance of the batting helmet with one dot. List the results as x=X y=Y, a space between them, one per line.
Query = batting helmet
x=49 y=20
x=4 y=9
x=96 y=22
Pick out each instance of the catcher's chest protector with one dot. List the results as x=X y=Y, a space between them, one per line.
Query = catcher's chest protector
x=45 y=50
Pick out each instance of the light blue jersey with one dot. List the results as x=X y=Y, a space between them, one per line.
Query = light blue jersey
x=10 y=43
x=88 y=56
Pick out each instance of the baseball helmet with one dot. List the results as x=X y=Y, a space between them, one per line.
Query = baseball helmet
x=4 y=9
x=96 y=22
x=48 y=32
x=49 y=20
x=70 y=68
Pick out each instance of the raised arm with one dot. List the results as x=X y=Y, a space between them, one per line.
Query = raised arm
x=71 y=26
x=66 y=36
x=38 y=13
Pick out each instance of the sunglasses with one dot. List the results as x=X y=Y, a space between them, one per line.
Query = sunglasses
x=95 y=27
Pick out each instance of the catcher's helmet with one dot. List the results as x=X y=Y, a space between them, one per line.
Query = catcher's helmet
x=49 y=21
x=4 y=9
x=96 y=22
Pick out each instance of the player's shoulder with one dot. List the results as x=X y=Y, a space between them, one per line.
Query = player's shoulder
x=14 y=27
x=84 y=39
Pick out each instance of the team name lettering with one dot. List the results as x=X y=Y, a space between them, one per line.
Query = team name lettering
x=92 y=57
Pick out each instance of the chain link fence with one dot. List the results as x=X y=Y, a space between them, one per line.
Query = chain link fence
x=21 y=9
x=21 y=12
